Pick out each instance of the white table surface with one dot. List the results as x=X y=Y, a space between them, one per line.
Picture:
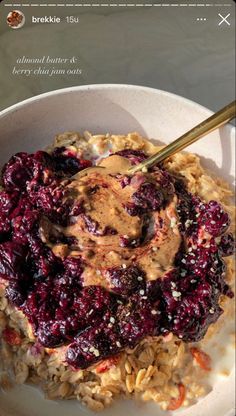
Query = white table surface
x=160 y=47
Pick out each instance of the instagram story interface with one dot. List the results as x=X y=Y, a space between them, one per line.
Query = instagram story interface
x=117 y=209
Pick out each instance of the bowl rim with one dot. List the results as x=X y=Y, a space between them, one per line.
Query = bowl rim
x=101 y=87
x=109 y=87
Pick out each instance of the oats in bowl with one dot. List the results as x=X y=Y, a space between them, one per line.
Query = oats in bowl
x=110 y=282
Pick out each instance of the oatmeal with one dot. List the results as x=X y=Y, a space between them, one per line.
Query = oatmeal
x=110 y=280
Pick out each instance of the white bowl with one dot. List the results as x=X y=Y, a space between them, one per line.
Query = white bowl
x=156 y=114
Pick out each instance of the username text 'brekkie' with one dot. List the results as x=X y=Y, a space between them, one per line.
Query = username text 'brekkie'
x=46 y=19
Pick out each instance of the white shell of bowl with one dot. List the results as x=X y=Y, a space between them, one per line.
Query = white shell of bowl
x=31 y=125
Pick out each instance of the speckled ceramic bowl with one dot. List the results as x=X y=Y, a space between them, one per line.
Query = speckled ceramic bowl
x=156 y=114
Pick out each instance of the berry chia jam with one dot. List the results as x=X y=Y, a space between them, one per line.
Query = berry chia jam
x=99 y=263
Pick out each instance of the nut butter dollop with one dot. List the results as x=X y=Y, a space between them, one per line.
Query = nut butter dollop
x=108 y=236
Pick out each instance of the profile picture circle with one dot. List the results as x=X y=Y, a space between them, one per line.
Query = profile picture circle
x=15 y=19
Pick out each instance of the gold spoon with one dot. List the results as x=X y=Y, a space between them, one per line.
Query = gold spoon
x=207 y=126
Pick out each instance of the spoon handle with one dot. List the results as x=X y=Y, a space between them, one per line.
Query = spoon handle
x=215 y=121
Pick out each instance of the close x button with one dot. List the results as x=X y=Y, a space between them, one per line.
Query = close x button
x=224 y=19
